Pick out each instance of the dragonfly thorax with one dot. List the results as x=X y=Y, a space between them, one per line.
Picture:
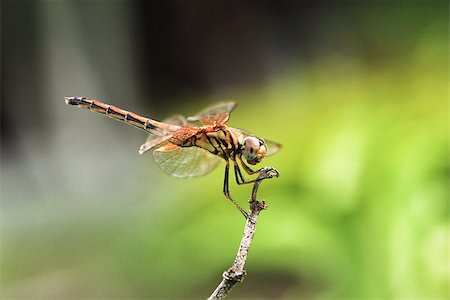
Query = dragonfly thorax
x=254 y=150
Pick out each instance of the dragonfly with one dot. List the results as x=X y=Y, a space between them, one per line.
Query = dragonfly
x=194 y=146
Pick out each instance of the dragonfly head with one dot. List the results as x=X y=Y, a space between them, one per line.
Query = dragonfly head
x=254 y=150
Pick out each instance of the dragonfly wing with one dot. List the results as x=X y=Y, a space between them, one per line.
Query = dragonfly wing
x=185 y=161
x=176 y=120
x=272 y=147
x=153 y=140
x=217 y=113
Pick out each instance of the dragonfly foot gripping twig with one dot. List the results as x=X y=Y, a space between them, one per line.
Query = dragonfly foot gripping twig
x=236 y=272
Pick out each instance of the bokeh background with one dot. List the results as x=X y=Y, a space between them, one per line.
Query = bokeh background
x=357 y=93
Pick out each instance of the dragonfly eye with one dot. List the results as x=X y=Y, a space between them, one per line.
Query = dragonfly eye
x=254 y=150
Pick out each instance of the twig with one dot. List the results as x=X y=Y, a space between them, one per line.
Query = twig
x=236 y=273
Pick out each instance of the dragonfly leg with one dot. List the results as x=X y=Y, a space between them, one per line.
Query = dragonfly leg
x=226 y=190
x=271 y=172
x=238 y=174
x=247 y=168
x=239 y=177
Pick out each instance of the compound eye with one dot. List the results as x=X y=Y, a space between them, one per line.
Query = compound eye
x=254 y=150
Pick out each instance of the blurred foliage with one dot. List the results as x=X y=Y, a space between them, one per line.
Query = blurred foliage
x=360 y=209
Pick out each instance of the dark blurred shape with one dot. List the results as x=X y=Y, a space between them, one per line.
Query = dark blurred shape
x=21 y=73
x=202 y=45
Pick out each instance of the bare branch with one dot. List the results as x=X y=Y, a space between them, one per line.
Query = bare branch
x=236 y=272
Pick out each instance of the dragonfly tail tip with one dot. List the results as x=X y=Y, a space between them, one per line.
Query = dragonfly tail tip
x=72 y=100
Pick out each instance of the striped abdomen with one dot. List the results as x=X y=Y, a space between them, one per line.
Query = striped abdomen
x=116 y=113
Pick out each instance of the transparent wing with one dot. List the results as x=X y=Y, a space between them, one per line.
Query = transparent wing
x=151 y=142
x=217 y=113
x=272 y=147
x=176 y=120
x=154 y=140
x=185 y=161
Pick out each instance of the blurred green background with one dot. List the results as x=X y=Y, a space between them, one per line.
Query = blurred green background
x=357 y=93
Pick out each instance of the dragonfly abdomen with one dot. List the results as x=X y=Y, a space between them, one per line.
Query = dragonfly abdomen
x=116 y=113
